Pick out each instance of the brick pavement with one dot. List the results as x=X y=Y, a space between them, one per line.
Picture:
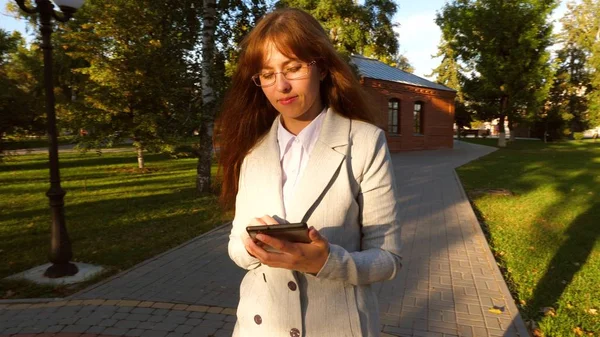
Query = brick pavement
x=447 y=287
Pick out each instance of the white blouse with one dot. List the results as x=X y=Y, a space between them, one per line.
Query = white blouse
x=294 y=152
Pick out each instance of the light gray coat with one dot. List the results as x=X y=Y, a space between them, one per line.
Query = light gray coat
x=349 y=186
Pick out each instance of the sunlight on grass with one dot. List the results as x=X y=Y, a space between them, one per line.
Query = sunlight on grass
x=116 y=215
x=546 y=235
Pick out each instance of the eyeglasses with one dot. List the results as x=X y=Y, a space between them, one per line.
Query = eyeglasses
x=267 y=79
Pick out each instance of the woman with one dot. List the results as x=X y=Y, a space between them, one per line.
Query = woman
x=297 y=145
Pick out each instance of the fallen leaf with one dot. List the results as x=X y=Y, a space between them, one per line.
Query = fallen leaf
x=577 y=264
x=592 y=311
x=538 y=333
x=523 y=302
x=548 y=311
x=578 y=331
x=563 y=281
x=496 y=310
x=569 y=306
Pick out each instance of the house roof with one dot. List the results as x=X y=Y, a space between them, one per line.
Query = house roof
x=375 y=69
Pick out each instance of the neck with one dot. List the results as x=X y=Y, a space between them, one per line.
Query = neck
x=296 y=125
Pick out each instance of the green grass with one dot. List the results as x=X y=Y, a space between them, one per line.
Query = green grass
x=116 y=215
x=33 y=142
x=546 y=235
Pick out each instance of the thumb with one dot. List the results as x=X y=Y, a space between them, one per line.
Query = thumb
x=314 y=235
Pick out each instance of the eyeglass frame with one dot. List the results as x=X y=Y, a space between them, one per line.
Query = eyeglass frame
x=256 y=76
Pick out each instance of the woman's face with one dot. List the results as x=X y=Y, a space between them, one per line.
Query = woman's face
x=297 y=100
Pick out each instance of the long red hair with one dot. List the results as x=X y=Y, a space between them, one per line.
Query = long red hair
x=246 y=115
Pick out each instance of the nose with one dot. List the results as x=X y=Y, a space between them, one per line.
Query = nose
x=282 y=83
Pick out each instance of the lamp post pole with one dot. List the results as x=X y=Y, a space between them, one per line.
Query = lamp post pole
x=60 y=245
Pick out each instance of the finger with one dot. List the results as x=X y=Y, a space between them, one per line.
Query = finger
x=314 y=235
x=257 y=222
x=281 y=245
x=268 y=220
x=255 y=249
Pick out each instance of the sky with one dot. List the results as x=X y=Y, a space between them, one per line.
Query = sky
x=418 y=34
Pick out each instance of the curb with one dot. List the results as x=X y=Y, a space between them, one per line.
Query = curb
x=517 y=320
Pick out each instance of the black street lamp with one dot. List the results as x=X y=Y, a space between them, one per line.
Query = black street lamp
x=60 y=249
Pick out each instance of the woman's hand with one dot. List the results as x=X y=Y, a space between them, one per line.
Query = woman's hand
x=303 y=257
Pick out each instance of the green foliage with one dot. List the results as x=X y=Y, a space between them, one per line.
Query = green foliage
x=21 y=109
x=132 y=59
x=357 y=29
x=571 y=105
x=578 y=135
x=450 y=74
x=503 y=45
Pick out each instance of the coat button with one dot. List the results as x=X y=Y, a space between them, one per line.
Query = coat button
x=292 y=286
x=294 y=333
x=257 y=319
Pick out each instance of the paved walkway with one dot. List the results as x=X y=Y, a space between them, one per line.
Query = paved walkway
x=447 y=287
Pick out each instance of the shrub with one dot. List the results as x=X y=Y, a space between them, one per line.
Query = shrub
x=578 y=135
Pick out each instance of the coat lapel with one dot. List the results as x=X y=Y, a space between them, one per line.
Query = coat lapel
x=325 y=160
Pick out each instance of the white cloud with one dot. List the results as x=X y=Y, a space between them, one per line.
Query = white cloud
x=419 y=37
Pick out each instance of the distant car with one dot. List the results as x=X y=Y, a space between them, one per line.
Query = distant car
x=475 y=132
x=592 y=133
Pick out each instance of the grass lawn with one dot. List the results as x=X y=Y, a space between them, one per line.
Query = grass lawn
x=546 y=235
x=34 y=142
x=116 y=215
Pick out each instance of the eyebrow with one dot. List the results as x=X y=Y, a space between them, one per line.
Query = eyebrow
x=283 y=64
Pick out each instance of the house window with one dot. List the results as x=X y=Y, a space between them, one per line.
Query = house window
x=418 y=118
x=393 y=118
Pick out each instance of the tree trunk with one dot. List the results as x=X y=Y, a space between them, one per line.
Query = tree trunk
x=203 y=181
x=1 y=147
x=511 y=127
x=501 y=130
x=140 y=157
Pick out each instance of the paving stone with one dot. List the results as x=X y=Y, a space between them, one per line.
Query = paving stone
x=135 y=332
x=108 y=322
x=184 y=328
x=75 y=328
x=175 y=334
x=95 y=330
x=54 y=328
x=214 y=317
x=156 y=318
x=127 y=324
x=142 y=310
x=155 y=333
x=202 y=331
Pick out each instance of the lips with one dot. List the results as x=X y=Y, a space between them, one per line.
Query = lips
x=287 y=100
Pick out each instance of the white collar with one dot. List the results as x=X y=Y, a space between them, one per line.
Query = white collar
x=307 y=137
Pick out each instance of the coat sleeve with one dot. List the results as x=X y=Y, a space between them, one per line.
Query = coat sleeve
x=379 y=257
x=237 y=250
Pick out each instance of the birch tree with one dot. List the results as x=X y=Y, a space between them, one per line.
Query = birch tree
x=203 y=178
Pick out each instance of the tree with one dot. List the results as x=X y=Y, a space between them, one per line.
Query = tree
x=450 y=74
x=203 y=178
x=356 y=29
x=220 y=37
x=581 y=41
x=138 y=83
x=21 y=110
x=503 y=45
